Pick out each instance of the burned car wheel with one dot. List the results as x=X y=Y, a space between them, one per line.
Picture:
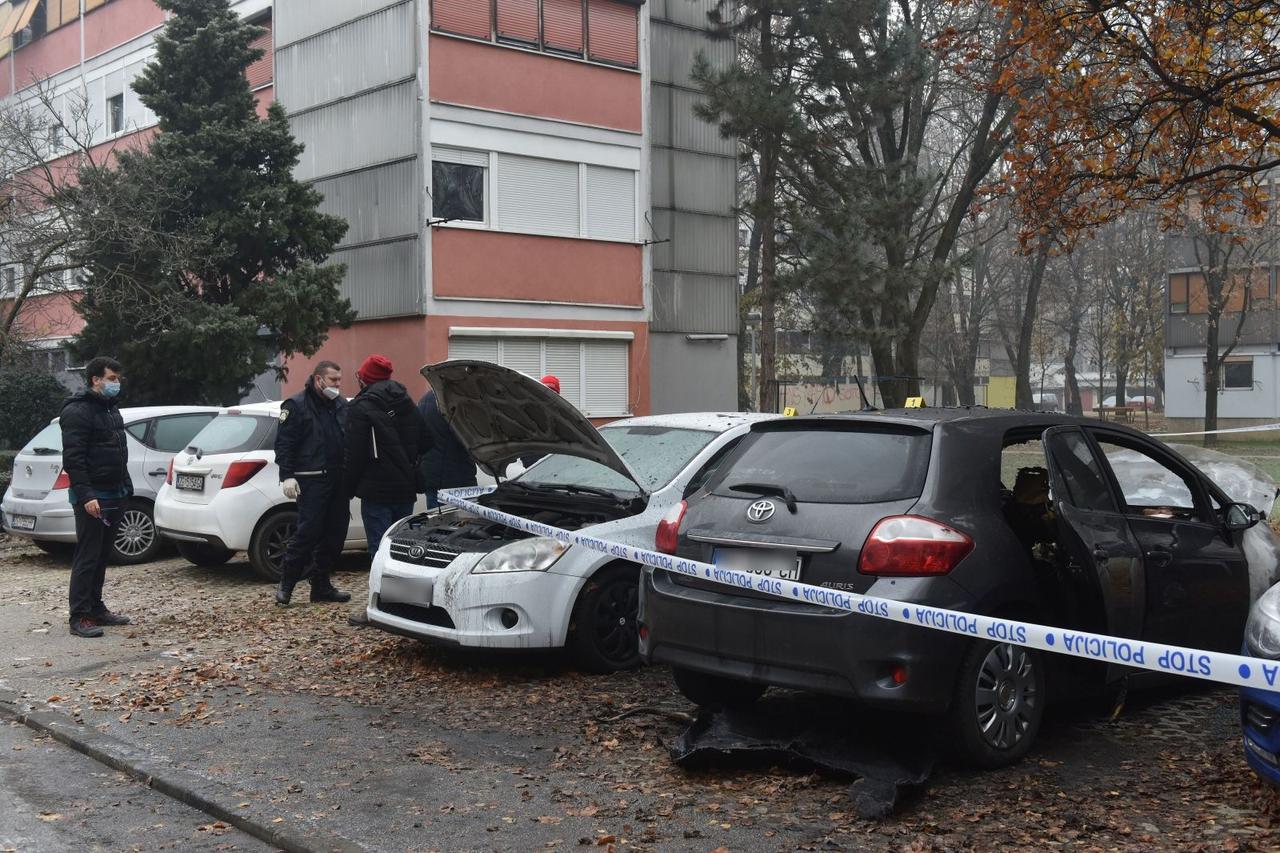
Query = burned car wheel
x=998 y=704
x=604 y=635
x=715 y=691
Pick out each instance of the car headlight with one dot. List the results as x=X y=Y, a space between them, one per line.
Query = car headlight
x=1262 y=631
x=527 y=555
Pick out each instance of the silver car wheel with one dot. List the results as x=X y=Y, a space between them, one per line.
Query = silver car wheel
x=1005 y=697
x=136 y=533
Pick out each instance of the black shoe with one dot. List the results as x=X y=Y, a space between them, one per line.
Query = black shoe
x=283 y=594
x=106 y=617
x=330 y=594
x=83 y=626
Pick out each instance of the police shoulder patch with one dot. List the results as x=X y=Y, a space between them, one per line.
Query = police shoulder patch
x=284 y=415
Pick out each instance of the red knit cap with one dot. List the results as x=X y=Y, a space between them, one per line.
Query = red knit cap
x=375 y=369
x=551 y=382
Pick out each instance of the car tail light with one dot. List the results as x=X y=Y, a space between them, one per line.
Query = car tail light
x=905 y=545
x=169 y=477
x=240 y=473
x=63 y=481
x=668 y=536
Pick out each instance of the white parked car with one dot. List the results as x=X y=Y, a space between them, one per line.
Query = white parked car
x=450 y=576
x=222 y=494
x=37 y=505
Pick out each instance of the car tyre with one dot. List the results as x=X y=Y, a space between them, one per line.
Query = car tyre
x=716 y=692
x=61 y=550
x=267 y=547
x=998 y=704
x=137 y=540
x=603 y=633
x=204 y=554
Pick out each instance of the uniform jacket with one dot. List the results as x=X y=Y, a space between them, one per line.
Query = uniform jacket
x=94 y=453
x=386 y=435
x=310 y=438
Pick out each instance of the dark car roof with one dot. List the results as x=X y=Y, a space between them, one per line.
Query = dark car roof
x=974 y=417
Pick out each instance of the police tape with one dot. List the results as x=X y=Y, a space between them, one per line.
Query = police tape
x=1236 y=670
x=1258 y=428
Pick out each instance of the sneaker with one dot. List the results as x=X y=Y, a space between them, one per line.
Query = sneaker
x=83 y=626
x=331 y=594
x=108 y=618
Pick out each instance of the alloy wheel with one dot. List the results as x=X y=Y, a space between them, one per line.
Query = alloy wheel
x=1005 y=697
x=136 y=533
x=278 y=543
x=614 y=620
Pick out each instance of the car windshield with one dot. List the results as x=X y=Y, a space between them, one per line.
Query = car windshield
x=656 y=454
x=47 y=442
x=830 y=465
x=234 y=434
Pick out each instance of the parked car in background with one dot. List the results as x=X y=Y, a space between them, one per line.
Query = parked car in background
x=1046 y=402
x=1260 y=709
x=37 y=505
x=451 y=577
x=222 y=494
x=1029 y=517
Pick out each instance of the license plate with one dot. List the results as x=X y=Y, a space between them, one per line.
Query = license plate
x=22 y=522
x=783 y=565
x=190 y=482
x=406 y=590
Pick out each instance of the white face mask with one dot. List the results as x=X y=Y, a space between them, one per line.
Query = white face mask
x=330 y=392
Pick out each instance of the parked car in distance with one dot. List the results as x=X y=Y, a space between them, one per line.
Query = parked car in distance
x=37 y=503
x=1046 y=402
x=451 y=577
x=222 y=494
x=1260 y=709
x=1007 y=514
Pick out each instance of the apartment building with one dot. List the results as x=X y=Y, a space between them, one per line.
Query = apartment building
x=525 y=180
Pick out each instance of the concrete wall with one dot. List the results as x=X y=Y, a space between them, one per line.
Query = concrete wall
x=1184 y=391
x=692 y=376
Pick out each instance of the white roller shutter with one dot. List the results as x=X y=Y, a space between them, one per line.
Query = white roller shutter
x=537 y=196
x=564 y=362
x=474 y=349
x=611 y=203
x=461 y=156
x=524 y=355
x=606 y=371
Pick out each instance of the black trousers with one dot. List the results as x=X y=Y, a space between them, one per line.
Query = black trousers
x=323 y=516
x=89 y=566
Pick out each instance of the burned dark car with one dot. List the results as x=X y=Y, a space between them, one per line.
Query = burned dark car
x=1032 y=517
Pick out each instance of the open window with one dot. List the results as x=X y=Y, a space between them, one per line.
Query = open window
x=1150 y=486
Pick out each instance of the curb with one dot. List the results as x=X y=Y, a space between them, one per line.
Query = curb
x=201 y=794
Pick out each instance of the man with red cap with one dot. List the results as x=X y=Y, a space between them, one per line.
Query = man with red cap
x=386 y=435
x=551 y=382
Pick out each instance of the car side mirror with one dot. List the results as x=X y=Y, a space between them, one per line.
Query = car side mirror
x=1240 y=516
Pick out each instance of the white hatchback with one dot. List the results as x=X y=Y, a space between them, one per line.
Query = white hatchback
x=37 y=503
x=222 y=494
x=452 y=577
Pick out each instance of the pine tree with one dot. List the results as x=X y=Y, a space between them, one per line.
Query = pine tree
x=236 y=279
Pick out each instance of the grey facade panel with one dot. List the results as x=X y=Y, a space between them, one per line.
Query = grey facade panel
x=700 y=243
x=1191 y=330
x=382 y=280
x=663 y=253
x=660 y=189
x=703 y=183
x=689 y=13
x=360 y=132
x=357 y=57
x=673 y=50
x=298 y=19
x=689 y=303
x=692 y=133
x=693 y=376
x=660 y=115
x=378 y=204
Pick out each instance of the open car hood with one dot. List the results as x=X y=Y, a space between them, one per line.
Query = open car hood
x=500 y=414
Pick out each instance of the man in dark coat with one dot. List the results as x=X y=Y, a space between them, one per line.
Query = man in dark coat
x=386 y=435
x=446 y=464
x=95 y=457
x=309 y=452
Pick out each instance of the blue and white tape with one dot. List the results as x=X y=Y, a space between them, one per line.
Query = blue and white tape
x=1236 y=670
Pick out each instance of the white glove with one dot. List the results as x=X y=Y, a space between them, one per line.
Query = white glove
x=291 y=489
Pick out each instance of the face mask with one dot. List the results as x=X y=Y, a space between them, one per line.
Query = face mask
x=110 y=389
x=330 y=392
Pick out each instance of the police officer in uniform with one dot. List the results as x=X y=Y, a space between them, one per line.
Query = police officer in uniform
x=309 y=452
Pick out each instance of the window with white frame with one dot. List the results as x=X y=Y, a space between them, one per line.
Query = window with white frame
x=593 y=373
x=534 y=195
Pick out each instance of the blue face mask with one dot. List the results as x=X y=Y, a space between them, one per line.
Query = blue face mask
x=110 y=389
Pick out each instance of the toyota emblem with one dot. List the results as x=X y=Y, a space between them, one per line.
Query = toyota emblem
x=417 y=552
x=29 y=471
x=761 y=511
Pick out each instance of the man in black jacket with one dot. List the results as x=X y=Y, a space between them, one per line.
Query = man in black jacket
x=309 y=454
x=95 y=457
x=446 y=464
x=385 y=437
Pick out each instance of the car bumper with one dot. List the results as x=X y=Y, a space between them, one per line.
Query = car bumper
x=799 y=646
x=1260 y=727
x=227 y=521
x=55 y=518
x=514 y=610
